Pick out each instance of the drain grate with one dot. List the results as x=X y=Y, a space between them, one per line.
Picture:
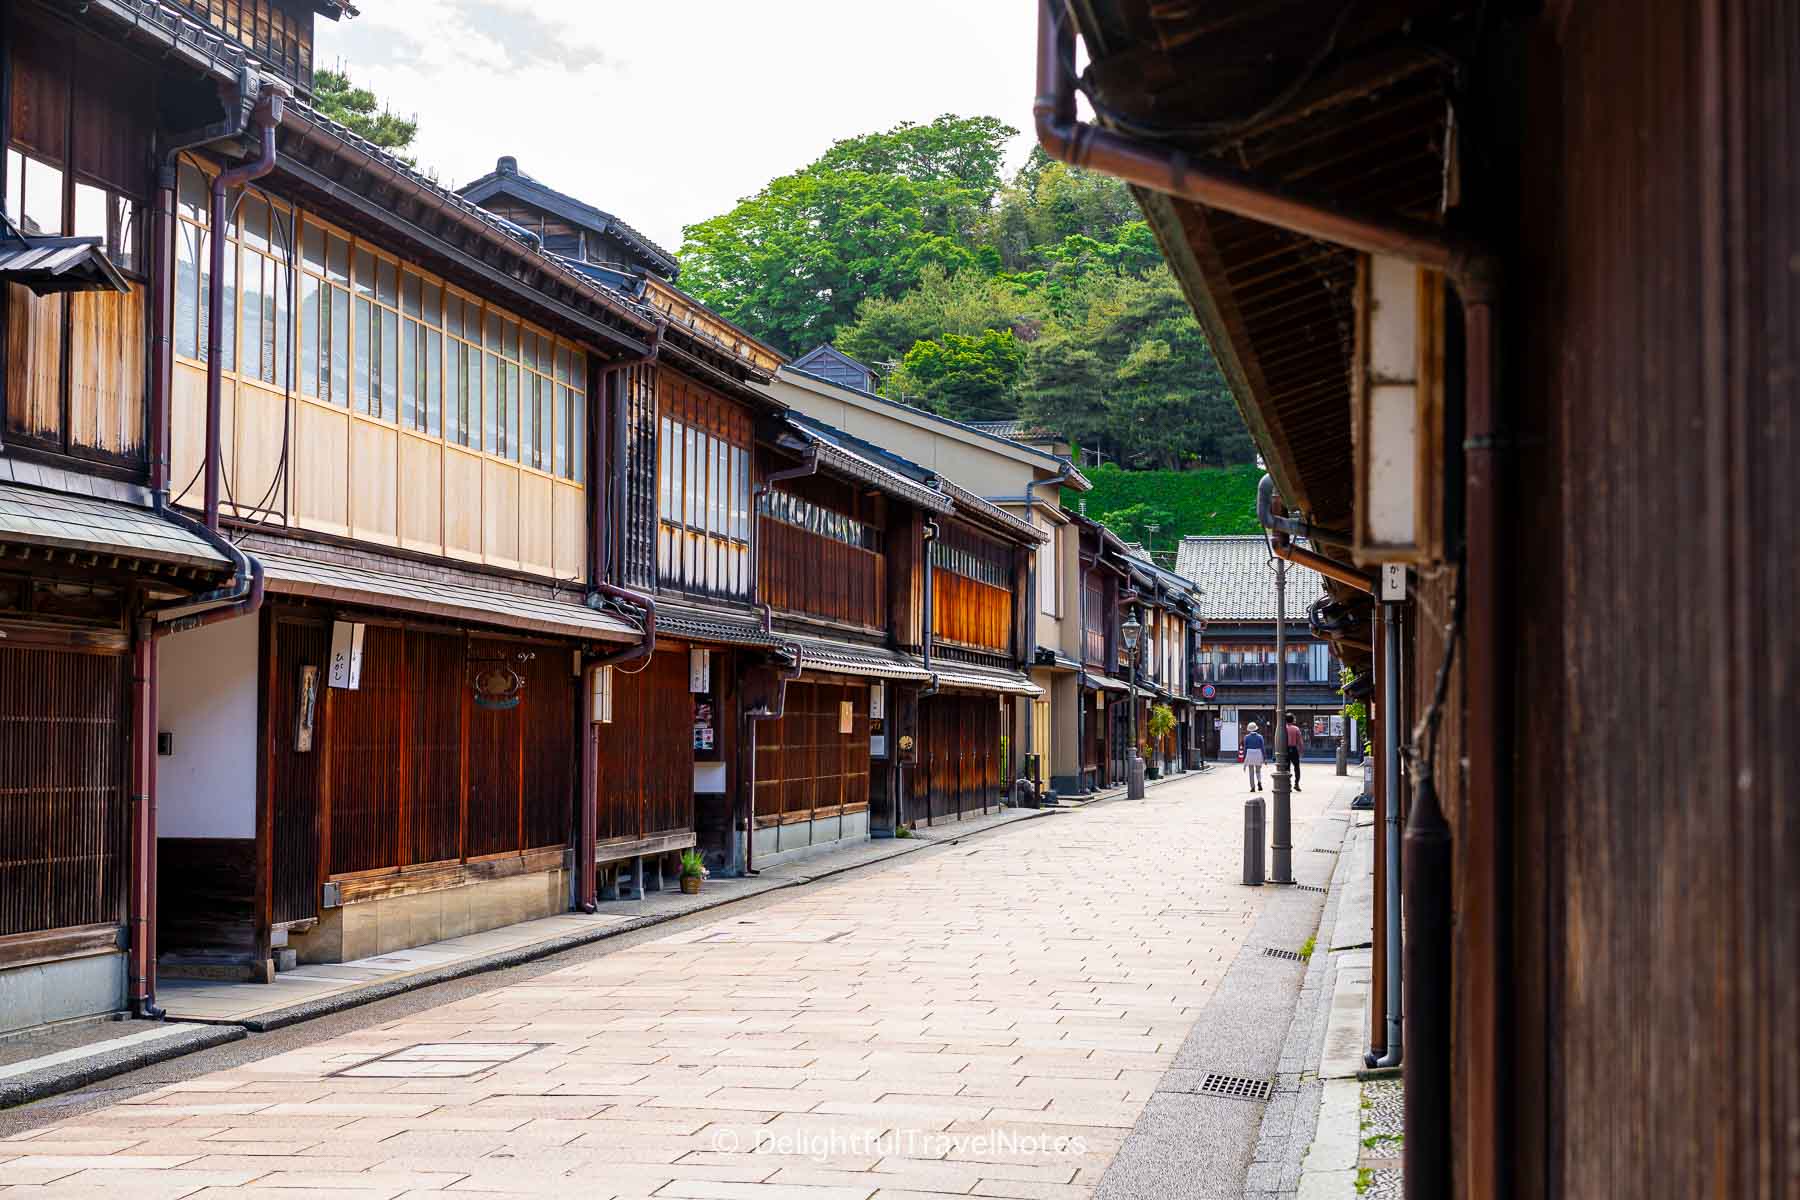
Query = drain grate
x=1322 y=850
x=1311 y=887
x=1290 y=955
x=1234 y=1087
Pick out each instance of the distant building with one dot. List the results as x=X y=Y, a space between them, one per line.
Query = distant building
x=1236 y=577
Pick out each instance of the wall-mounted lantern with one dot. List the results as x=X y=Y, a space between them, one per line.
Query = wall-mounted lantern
x=1397 y=411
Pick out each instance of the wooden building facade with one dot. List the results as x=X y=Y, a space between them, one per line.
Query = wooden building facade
x=1538 y=261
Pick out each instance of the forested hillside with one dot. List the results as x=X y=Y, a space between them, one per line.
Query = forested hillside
x=1042 y=295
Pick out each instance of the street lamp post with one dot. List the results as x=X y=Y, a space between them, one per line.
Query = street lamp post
x=1281 y=859
x=1131 y=630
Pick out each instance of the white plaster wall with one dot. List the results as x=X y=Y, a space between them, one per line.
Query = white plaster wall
x=207 y=698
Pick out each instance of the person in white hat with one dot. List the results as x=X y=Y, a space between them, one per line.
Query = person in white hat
x=1253 y=757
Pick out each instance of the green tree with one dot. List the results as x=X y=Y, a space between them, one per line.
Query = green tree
x=358 y=109
x=1133 y=522
x=966 y=302
x=792 y=262
x=1135 y=376
x=968 y=378
x=966 y=151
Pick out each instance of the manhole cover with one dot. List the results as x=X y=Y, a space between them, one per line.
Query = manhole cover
x=440 y=1060
x=1234 y=1087
x=1290 y=955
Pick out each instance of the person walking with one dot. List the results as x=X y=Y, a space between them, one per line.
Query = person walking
x=1253 y=756
x=1293 y=750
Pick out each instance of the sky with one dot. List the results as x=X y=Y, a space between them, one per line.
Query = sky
x=667 y=112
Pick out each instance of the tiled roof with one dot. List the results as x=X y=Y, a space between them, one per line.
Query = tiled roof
x=1014 y=430
x=89 y=525
x=506 y=176
x=838 y=452
x=1237 y=578
x=563 y=614
x=707 y=625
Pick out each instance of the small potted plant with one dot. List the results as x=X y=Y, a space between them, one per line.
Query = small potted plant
x=1161 y=725
x=693 y=870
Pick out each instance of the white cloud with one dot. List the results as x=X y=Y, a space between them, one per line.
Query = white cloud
x=666 y=112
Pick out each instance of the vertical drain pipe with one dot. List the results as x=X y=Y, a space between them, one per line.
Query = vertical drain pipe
x=1390 y=759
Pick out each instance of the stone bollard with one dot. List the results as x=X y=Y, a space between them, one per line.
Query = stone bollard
x=1253 y=842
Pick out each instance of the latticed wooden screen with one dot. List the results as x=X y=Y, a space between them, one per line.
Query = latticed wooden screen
x=64 y=813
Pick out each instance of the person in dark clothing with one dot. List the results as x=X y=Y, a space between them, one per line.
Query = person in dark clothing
x=1293 y=750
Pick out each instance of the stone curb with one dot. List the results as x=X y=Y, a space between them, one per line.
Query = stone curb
x=103 y=1064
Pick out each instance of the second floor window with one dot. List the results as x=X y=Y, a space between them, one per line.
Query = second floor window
x=314 y=311
x=703 y=506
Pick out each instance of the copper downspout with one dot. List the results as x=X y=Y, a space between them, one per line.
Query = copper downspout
x=141 y=962
x=268 y=116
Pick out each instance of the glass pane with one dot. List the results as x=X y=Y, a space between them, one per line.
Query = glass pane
x=665 y=472
x=253 y=221
x=453 y=422
x=434 y=304
x=409 y=399
x=387 y=282
x=410 y=287
x=720 y=482
x=577 y=434
x=309 y=334
x=191 y=191
x=578 y=370
x=337 y=258
x=280 y=325
x=187 y=289
x=122 y=233
x=453 y=313
x=492 y=340
x=90 y=211
x=434 y=347
x=252 y=317
x=365 y=343
x=509 y=391
x=390 y=364
x=340 y=347
x=312 y=247
x=229 y=303
x=528 y=425
x=15 y=185
x=562 y=364
x=42 y=205
x=509 y=338
x=363 y=282
x=490 y=407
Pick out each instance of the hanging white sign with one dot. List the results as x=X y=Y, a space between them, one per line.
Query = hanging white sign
x=346 y=655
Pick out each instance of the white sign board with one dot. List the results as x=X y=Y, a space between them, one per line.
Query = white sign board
x=1393 y=581
x=601 y=708
x=346 y=655
x=699 y=670
x=878 y=701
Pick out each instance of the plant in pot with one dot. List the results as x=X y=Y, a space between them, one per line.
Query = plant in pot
x=693 y=870
x=1160 y=725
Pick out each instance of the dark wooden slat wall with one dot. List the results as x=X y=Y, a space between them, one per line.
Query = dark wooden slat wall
x=646 y=758
x=365 y=738
x=1654 y=939
x=407 y=769
x=808 y=573
x=958 y=770
x=64 y=817
x=294 y=777
x=805 y=766
x=970 y=612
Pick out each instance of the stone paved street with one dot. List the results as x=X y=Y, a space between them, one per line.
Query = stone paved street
x=987 y=1018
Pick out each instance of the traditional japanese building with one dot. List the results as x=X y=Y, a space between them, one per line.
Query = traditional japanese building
x=1021 y=482
x=1237 y=661
x=1506 y=295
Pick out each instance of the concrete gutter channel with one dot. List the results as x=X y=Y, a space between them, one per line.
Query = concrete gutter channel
x=159 y=1043
x=1190 y=1145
